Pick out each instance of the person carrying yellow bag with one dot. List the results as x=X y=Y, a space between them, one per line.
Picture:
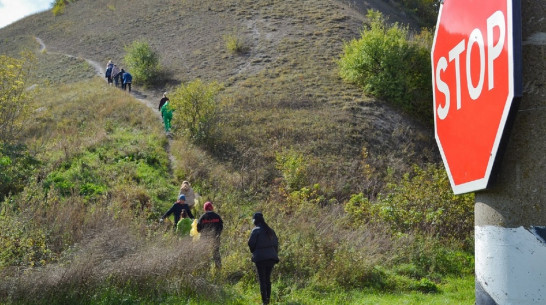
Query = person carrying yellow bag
x=193 y=231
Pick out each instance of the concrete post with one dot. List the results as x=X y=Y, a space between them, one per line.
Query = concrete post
x=510 y=217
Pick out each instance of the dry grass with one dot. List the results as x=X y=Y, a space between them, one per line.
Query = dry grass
x=106 y=240
x=112 y=252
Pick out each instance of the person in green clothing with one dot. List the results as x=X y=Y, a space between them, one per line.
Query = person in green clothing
x=183 y=226
x=167 y=113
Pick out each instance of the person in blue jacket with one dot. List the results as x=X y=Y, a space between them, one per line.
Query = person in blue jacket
x=264 y=246
x=127 y=80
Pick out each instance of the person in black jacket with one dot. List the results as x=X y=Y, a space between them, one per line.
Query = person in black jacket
x=176 y=209
x=264 y=246
x=162 y=102
x=210 y=225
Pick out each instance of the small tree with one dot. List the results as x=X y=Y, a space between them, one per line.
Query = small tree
x=235 y=44
x=15 y=100
x=387 y=64
x=15 y=107
x=142 y=62
x=58 y=6
x=293 y=168
x=196 y=107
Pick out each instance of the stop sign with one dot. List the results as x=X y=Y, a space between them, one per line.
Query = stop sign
x=475 y=78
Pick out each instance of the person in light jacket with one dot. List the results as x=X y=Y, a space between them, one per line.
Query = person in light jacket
x=264 y=246
x=116 y=75
x=187 y=190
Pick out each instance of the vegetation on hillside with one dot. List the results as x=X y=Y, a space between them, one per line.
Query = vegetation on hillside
x=15 y=101
x=105 y=180
x=355 y=219
x=16 y=107
x=142 y=62
x=284 y=92
x=389 y=64
x=58 y=6
x=196 y=110
x=426 y=11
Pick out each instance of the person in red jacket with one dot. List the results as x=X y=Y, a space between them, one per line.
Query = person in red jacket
x=210 y=225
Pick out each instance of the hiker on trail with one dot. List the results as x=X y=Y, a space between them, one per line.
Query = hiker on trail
x=122 y=72
x=162 y=102
x=167 y=114
x=108 y=73
x=183 y=227
x=187 y=190
x=127 y=80
x=116 y=75
x=176 y=209
x=210 y=225
x=264 y=246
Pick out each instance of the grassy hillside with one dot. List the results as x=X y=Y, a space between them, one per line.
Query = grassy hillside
x=330 y=168
x=285 y=90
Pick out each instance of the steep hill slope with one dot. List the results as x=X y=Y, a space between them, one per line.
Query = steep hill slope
x=284 y=92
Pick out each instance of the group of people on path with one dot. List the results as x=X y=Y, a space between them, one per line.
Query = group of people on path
x=262 y=243
x=117 y=76
x=209 y=225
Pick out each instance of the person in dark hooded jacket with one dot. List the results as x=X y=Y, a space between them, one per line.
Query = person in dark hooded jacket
x=264 y=246
x=176 y=210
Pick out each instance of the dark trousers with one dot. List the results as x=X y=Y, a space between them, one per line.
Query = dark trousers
x=264 y=269
x=216 y=253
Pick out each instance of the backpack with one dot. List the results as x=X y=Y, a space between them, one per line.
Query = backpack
x=108 y=71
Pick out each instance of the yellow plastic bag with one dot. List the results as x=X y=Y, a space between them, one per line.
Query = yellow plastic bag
x=193 y=231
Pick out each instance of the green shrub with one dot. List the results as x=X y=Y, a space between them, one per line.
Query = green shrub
x=293 y=168
x=58 y=6
x=16 y=168
x=195 y=109
x=22 y=243
x=235 y=44
x=142 y=62
x=421 y=202
x=15 y=100
x=425 y=10
x=425 y=285
x=435 y=258
x=387 y=64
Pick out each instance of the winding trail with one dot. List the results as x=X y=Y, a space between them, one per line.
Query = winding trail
x=140 y=96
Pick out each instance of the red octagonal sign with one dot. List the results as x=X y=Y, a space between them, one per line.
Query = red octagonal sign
x=474 y=84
